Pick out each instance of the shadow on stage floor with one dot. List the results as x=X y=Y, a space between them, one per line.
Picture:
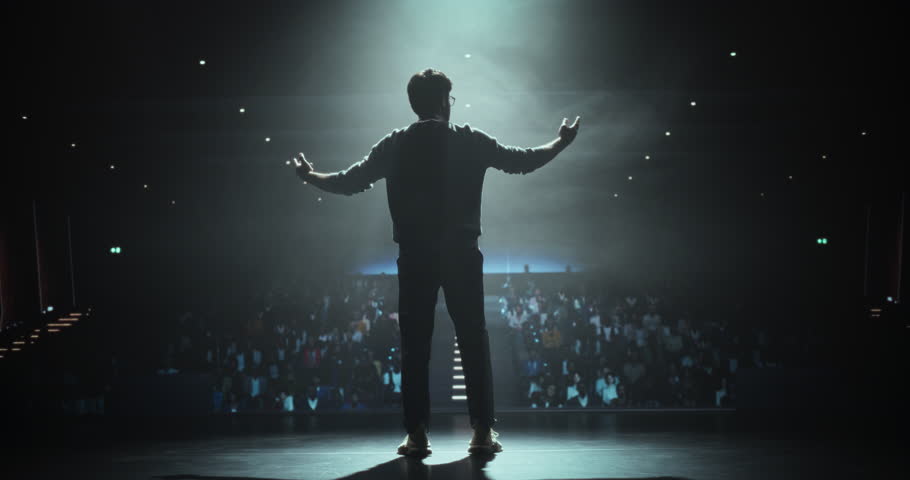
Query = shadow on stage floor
x=406 y=468
x=563 y=445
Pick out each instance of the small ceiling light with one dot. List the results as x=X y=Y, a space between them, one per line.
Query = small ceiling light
x=145 y=186
x=467 y=55
x=25 y=117
x=647 y=157
x=268 y=139
x=467 y=105
x=667 y=133
x=863 y=133
x=615 y=195
x=319 y=199
x=173 y=202
x=790 y=177
x=242 y=110
x=732 y=54
x=72 y=145
x=630 y=177
x=112 y=166
x=201 y=62
x=692 y=103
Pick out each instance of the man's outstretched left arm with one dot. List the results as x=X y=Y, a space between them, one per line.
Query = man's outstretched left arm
x=342 y=182
x=357 y=178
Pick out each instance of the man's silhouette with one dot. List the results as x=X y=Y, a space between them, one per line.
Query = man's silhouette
x=434 y=174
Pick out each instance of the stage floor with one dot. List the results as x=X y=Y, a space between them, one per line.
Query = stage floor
x=537 y=445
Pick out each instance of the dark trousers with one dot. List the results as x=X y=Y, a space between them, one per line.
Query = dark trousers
x=459 y=271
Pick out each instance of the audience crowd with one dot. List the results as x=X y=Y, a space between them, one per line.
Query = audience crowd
x=336 y=348
x=630 y=350
x=298 y=347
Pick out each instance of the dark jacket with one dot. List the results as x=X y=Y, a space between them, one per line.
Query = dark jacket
x=434 y=173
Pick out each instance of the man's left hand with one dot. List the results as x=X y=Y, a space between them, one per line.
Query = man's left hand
x=302 y=166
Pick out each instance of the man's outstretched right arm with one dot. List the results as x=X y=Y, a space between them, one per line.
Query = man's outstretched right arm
x=511 y=159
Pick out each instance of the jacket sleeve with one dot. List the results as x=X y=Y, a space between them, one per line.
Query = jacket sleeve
x=507 y=158
x=360 y=176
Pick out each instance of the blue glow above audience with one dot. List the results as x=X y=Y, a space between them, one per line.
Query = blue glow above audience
x=492 y=263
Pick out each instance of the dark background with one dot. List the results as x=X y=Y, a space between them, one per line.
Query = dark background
x=122 y=81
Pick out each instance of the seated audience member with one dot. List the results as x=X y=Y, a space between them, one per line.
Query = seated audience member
x=312 y=354
x=674 y=390
x=533 y=306
x=234 y=403
x=256 y=389
x=353 y=403
x=601 y=381
x=323 y=392
x=552 y=399
x=609 y=395
x=535 y=386
x=257 y=357
x=217 y=399
x=673 y=344
x=286 y=402
x=392 y=382
x=622 y=399
x=572 y=388
x=550 y=336
x=582 y=400
x=614 y=346
x=311 y=402
x=651 y=320
x=242 y=359
x=631 y=302
x=634 y=371
x=533 y=365
x=517 y=318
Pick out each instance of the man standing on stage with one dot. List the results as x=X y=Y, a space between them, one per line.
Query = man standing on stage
x=434 y=174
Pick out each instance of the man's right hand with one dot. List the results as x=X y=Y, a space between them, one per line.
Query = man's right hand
x=302 y=166
x=567 y=133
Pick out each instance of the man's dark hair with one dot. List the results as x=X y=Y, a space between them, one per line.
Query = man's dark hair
x=426 y=90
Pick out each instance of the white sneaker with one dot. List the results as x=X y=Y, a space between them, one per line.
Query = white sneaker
x=411 y=448
x=487 y=445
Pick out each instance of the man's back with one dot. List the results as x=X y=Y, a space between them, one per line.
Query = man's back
x=434 y=185
x=434 y=179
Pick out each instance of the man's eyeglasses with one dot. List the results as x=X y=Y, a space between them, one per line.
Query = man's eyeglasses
x=451 y=100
